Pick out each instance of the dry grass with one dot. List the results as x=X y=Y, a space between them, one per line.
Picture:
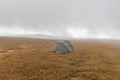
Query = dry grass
x=30 y=59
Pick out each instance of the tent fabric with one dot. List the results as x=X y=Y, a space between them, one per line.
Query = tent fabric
x=62 y=47
x=68 y=45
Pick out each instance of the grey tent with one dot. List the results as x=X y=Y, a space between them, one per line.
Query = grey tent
x=63 y=47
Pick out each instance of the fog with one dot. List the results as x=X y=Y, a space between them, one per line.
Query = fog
x=67 y=18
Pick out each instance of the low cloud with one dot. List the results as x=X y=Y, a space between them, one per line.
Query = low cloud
x=67 y=18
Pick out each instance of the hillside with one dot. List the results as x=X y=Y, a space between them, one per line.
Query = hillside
x=40 y=36
x=30 y=59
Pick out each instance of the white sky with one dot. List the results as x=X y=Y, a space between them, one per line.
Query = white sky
x=67 y=18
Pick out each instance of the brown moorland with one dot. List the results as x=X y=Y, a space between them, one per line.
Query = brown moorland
x=31 y=59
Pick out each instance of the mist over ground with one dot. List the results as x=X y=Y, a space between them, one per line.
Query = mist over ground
x=66 y=18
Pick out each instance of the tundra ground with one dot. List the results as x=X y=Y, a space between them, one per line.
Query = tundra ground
x=31 y=59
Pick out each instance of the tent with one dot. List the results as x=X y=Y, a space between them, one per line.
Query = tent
x=62 y=47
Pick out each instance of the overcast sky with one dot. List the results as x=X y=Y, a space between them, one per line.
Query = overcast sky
x=69 y=18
